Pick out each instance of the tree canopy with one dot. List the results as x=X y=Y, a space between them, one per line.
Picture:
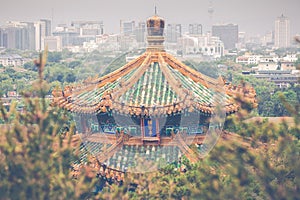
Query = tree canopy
x=252 y=160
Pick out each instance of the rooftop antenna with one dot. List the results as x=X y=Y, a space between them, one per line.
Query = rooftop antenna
x=211 y=9
x=210 y=12
x=52 y=11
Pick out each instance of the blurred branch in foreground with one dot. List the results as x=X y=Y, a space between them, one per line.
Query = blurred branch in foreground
x=35 y=162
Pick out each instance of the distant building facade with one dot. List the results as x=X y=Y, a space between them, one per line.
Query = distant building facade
x=18 y=35
x=282 y=78
x=195 y=29
x=88 y=28
x=11 y=60
x=280 y=70
x=127 y=27
x=53 y=43
x=46 y=27
x=282 y=32
x=248 y=59
x=69 y=36
x=268 y=62
x=42 y=30
x=268 y=39
x=141 y=32
x=228 y=33
x=201 y=45
x=174 y=32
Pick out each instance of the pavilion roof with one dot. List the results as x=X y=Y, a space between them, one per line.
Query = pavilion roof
x=155 y=83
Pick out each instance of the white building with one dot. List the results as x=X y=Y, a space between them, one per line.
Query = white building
x=290 y=58
x=248 y=59
x=205 y=45
x=267 y=66
x=53 y=43
x=42 y=30
x=90 y=46
x=282 y=32
x=11 y=60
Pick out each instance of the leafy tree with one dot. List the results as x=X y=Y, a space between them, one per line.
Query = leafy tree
x=115 y=64
x=189 y=63
x=10 y=71
x=4 y=76
x=5 y=86
x=54 y=57
x=66 y=53
x=55 y=73
x=36 y=153
x=262 y=162
x=207 y=68
x=21 y=85
x=54 y=84
x=74 y=64
x=30 y=66
x=70 y=77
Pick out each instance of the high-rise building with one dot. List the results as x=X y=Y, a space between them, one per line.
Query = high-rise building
x=88 y=28
x=46 y=27
x=195 y=29
x=8 y=37
x=42 y=30
x=127 y=27
x=228 y=33
x=282 y=32
x=17 y=35
x=1 y=38
x=173 y=33
x=69 y=36
x=31 y=35
x=140 y=32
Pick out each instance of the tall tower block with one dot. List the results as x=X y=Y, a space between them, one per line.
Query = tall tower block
x=282 y=32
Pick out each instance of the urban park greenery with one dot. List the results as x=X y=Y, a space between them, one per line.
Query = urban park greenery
x=260 y=160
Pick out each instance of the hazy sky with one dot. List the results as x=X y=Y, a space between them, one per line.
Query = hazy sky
x=252 y=16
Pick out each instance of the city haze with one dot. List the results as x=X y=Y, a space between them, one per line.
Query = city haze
x=253 y=17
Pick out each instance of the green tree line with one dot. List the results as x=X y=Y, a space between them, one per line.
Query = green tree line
x=261 y=160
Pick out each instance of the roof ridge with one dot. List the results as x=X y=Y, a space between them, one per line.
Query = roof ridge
x=181 y=92
x=127 y=68
x=190 y=72
x=134 y=78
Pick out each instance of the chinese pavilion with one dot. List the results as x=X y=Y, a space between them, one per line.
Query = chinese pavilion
x=154 y=108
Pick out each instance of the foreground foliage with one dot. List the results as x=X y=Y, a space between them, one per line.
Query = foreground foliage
x=239 y=167
x=35 y=153
x=261 y=161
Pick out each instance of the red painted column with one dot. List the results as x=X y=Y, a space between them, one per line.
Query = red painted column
x=83 y=124
x=142 y=127
x=157 y=130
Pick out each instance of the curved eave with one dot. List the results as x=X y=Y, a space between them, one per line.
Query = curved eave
x=110 y=106
x=186 y=89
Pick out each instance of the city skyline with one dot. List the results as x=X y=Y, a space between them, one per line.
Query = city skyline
x=255 y=17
